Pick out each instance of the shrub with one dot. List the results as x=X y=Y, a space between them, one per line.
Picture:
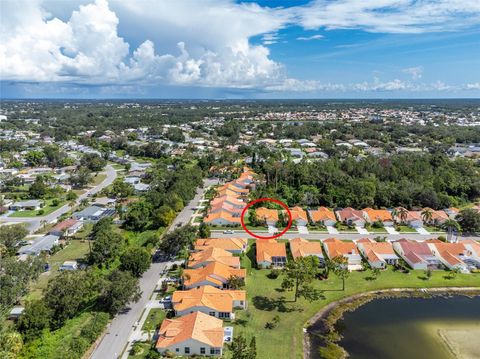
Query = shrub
x=274 y=273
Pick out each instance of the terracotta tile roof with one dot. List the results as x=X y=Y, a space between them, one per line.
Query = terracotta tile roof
x=213 y=254
x=339 y=248
x=228 y=192
x=415 y=250
x=322 y=214
x=375 y=250
x=62 y=226
x=350 y=213
x=298 y=213
x=230 y=186
x=268 y=248
x=266 y=213
x=378 y=214
x=450 y=251
x=197 y=326
x=222 y=214
x=301 y=247
x=227 y=207
x=207 y=296
x=229 y=244
x=211 y=272
x=229 y=199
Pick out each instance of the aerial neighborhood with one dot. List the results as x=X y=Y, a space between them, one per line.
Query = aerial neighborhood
x=220 y=229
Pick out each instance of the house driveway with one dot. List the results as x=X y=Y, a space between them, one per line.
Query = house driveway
x=332 y=230
x=390 y=230
x=302 y=230
x=423 y=231
x=272 y=229
x=361 y=230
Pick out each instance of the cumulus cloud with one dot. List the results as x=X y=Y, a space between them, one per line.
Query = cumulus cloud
x=88 y=48
x=309 y=38
x=414 y=72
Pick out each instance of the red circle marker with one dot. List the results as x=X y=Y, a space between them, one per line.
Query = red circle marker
x=266 y=199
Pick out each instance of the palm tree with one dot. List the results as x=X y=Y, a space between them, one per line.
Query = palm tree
x=341 y=268
x=427 y=215
x=451 y=224
x=402 y=214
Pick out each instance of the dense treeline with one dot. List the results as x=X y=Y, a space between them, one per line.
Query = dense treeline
x=400 y=180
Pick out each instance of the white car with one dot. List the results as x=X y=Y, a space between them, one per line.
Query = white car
x=228 y=231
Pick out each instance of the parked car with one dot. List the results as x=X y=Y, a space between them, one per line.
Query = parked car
x=228 y=231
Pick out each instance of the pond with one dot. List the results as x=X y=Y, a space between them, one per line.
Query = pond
x=438 y=327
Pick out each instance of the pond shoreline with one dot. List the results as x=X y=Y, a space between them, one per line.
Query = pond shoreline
x=324 y=320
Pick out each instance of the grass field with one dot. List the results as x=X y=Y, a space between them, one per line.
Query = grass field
x=266 y=299
x=75 y=250
x=154 y=319
x=47 y=209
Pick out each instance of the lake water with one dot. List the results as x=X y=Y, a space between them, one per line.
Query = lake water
x=439 y=328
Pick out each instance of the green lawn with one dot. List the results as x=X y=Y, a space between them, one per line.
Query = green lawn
x=98 y=179
x=47 y=209
x=144 y=349
x=154 y=319
x=406 y=229
x=266 y=299
x=376 y=230
x=75 y=250
x=433 y=229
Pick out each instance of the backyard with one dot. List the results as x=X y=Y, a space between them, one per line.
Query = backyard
x=266 y=300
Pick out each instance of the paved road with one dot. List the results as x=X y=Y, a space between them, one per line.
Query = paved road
x=33 y=224
x=319 y=236
x=117 y=337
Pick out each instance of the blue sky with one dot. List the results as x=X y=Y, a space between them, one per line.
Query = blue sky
x=233 y=49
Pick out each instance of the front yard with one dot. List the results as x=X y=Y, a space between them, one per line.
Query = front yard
x=47 y=209
x=266 y=300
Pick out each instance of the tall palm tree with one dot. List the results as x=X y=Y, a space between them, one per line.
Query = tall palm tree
x=427 y=215
x=402 y=214
x=451 y=224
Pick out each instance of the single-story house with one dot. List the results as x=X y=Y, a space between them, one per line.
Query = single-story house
x=417 y=254
x=412 y=218
x=215 y=274
x=193 y=334
x=30 y=205
x=451 y=255
x=375 y=215
x=323 y=215
x=302 y=248
x=222 y=218
x=232 y=245
x=270 y=253
x=212 y=254
x=336 y=248
x=67 y=227
x=93 y=213
x=270 y=216
x=351 y=217
x=42 y=244
x=209 y=300
x=378 y=254
x=299 y=215
x=234 y=201
x=227 y=207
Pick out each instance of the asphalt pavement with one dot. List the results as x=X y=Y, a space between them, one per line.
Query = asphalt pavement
x=34 y=224
x=119 y=330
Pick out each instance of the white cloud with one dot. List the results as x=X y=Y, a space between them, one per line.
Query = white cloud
x=309 y=38
x=414 y=72
x=473 y=86
x=390 y=16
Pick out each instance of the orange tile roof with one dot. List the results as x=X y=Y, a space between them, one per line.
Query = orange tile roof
x=197 y=326
x=229 y=244
x=230 y=199
x=378 y=214
x=222 y=214
x=207 y=296
x=211 y=272
x=373 y=250
x=268 y=248
x=213 y=254
x=298 y=213
x=450 y=251
x=266 y=213
x=230 y=186
x=64 y=225
x=337 y=247
x=322 y=214
x=349 y=213
x=228 y=192
x=301 y=247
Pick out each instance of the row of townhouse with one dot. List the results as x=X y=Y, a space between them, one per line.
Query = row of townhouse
x=359 y=218
x=226 y=208
x=430 y=254
x=206 y=300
